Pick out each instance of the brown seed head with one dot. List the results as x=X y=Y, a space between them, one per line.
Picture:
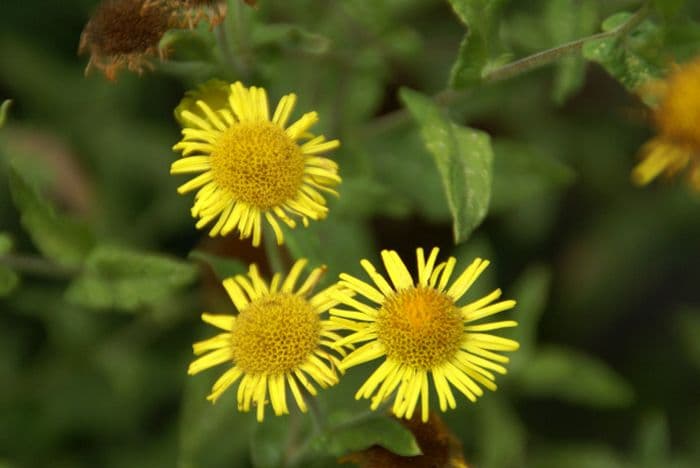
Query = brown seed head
x=124 y=33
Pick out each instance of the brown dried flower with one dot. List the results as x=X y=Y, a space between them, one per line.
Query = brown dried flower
x=188 y=13
x=124 y=34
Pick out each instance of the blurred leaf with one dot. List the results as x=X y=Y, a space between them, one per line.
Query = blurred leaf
x=574 y=377
x=577 y=456
x=290 y=36
x=464 y=159
x=8 y=280
x=189 y=45
x=568 y=20
x=652 y=447
x=6 y=243
x=337 y=242
x=383 y=431
x=212 y=435
x=224 y=267
x=126 y=279
x=531 y=291
x=61 y=239
x=667 y=8
x=477 y=46
x=633 y=58
x=270 y=440
x=521 y=174
x=688 y=326
x=4 y=111
x=501 y=435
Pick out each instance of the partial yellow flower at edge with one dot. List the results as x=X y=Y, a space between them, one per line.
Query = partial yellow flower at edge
x=252 y=165
x=677 y=119
x=214 y=92
x=277 y=341
x=420 y=330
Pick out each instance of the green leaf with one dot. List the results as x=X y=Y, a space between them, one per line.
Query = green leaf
x=464 y=160
x=270 y=441
x=61 y=239
x=501 y=435
x=6 y=243
x=652 y=447
x=478 y=45
x=4 y=110
x=566 y=21
x=211 y=435
x=667 y=8
x=126 y=279
x=383 y=431
x=531 y=291
x=688 y=328
x=632 y=59
x=224 y=267
x=290 y=36
x=574 y=377
x=8 y=280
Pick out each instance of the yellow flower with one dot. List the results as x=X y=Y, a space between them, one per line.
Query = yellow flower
x=677 y=119
x=277 y=340
x=421 y=330
x=253 y=166
x=214 y=92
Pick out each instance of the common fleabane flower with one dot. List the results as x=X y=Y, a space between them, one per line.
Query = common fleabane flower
x=277 y=341
x=420 y=330
x=677 y=119
x=252 y=165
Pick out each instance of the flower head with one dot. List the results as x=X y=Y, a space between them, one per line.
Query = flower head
x=214 y=92
x=419 y=329
x=677 y=119
x=252 y=165
x=277 y=340
x=188 y=13
x=124 y=33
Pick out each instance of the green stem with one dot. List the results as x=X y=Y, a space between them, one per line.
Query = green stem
x=446 y=97
x=545 y=57
x=37 y=266
x=272 y=251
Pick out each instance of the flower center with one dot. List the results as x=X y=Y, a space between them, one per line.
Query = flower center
x=679 y=113
x=258 y=164
x=420 y=327
x=275 y=334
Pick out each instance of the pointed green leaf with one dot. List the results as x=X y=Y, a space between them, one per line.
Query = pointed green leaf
x=8 y=280
x=633 y=58
x=479 y=43
x=61 y=239
x=5 y=243
x=383 y=431
x=126 y=279
x=575 y=377
x=531 y=291
x=463 y=157
x=4 y=110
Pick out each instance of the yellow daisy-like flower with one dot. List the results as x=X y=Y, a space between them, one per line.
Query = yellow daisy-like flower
x=252 y=165
x=277 y=341
x=420 y=330
x=677 y=118
x=214 y=92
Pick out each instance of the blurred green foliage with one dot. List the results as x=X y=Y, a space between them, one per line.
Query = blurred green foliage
x=103 y=275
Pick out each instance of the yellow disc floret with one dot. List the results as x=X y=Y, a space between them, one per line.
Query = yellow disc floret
x=678 y=115
x=275 y=334
x=258 y=164
x=420 y=327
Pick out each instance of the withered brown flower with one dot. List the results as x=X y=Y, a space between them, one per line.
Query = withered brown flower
x=125 y=34
x=188 y=13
